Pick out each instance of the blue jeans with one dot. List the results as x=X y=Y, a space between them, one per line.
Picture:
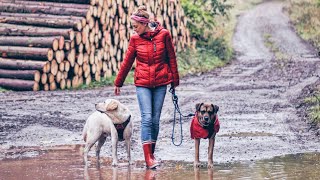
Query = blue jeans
x=150 y=104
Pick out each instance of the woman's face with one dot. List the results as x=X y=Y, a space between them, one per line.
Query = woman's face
x=138 y=27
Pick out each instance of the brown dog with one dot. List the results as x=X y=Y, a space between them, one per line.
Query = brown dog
x=205 y=124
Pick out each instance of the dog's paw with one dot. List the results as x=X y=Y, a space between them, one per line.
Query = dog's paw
x=131 y=162
x=210 y=165
x=197 y=164
x=114 y=163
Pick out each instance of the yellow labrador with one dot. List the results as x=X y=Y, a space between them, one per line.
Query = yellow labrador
x=110 y=118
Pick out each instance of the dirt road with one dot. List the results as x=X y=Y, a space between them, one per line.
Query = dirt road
x=258 y=95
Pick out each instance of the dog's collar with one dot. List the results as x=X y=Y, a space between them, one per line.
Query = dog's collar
x=101 y=111
x=124 y=124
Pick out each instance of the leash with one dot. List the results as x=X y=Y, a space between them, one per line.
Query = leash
x=177 y=109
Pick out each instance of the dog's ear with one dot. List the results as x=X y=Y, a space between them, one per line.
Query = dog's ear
x=113 y=105
x=198 y=106
x=215 y=108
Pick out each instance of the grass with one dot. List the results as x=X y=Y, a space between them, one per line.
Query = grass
x=2 y=89
x=281 y=58
x=197 y=61
x=305 y=16
x=107 y=82
x=314 y=110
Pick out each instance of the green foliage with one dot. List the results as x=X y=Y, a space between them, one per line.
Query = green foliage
x=2 y=89
x=201 y=14
x=197 y=61
x=219 y=48
x=107 y=82
x=305 y=16
x=314 y=110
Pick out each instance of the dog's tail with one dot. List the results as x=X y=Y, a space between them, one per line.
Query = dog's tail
x=84 y=133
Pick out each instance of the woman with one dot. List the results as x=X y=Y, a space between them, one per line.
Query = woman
x=156 y=67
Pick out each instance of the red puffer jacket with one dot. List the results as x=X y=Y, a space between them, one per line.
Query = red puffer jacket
x=156 y=63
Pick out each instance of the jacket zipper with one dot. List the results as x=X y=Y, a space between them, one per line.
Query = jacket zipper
x=154 y=45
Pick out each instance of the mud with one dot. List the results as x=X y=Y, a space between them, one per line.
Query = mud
x=259 y=96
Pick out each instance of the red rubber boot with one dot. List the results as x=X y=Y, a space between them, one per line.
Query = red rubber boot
x=148 y=156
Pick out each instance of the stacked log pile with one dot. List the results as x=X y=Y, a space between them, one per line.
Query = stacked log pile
x=45 y=45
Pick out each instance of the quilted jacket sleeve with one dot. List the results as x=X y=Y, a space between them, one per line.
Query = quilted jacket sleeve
x=126 y=64
x=172 y=59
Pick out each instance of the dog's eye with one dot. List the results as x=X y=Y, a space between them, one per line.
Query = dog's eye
x=202 y=112
x=210 y=112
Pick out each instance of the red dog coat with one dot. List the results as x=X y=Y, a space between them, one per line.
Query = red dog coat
x=197 y=131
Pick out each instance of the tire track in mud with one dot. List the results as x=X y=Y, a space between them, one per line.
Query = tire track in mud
x=257 y=94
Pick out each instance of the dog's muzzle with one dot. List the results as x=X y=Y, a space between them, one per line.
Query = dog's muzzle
x=204 y=121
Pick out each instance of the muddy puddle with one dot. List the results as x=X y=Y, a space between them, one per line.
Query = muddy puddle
x=65 y=162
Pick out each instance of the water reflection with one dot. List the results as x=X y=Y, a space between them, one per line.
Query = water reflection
x=150 y=174
x=112 y=173
x=66 y=162
x=198 y=177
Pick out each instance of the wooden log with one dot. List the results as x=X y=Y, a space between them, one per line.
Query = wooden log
x=54 y=67
x=21 y=64
x=71 y=56
x=55 y=45
x=46 y=87
x=67 y=1
x=66 y=66
x=65 y=75
x=59 y=76
x=10 y=7
x=67 y=45
x=17 y=74
x=62 y=84
x=19 y=85
x=69 y=83
x=88 y=80
x=52 y=4
x=51 y=78
x=47 y=67
x=53 y=86
x=41 y=54
x=55 y=23
x=41 y=16
x=45 y=42
x=61 y=66
x=18 y=30
x=44 y=78
x=61 y=43
x=75 y=82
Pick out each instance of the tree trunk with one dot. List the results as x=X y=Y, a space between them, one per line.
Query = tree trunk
x=67 y=1
x=44 y=42
x=55 y=23
x=40 y=16
x=19 y=85
x=10 y=7
x=17 y=30
x=65 y=4
x=18 y=74
x=24 y=52
x=21 y=64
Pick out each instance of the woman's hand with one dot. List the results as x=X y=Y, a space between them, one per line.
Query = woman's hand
x=117 y=90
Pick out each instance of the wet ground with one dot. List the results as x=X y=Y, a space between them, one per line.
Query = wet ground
x=260 y=95
x=65 y=162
